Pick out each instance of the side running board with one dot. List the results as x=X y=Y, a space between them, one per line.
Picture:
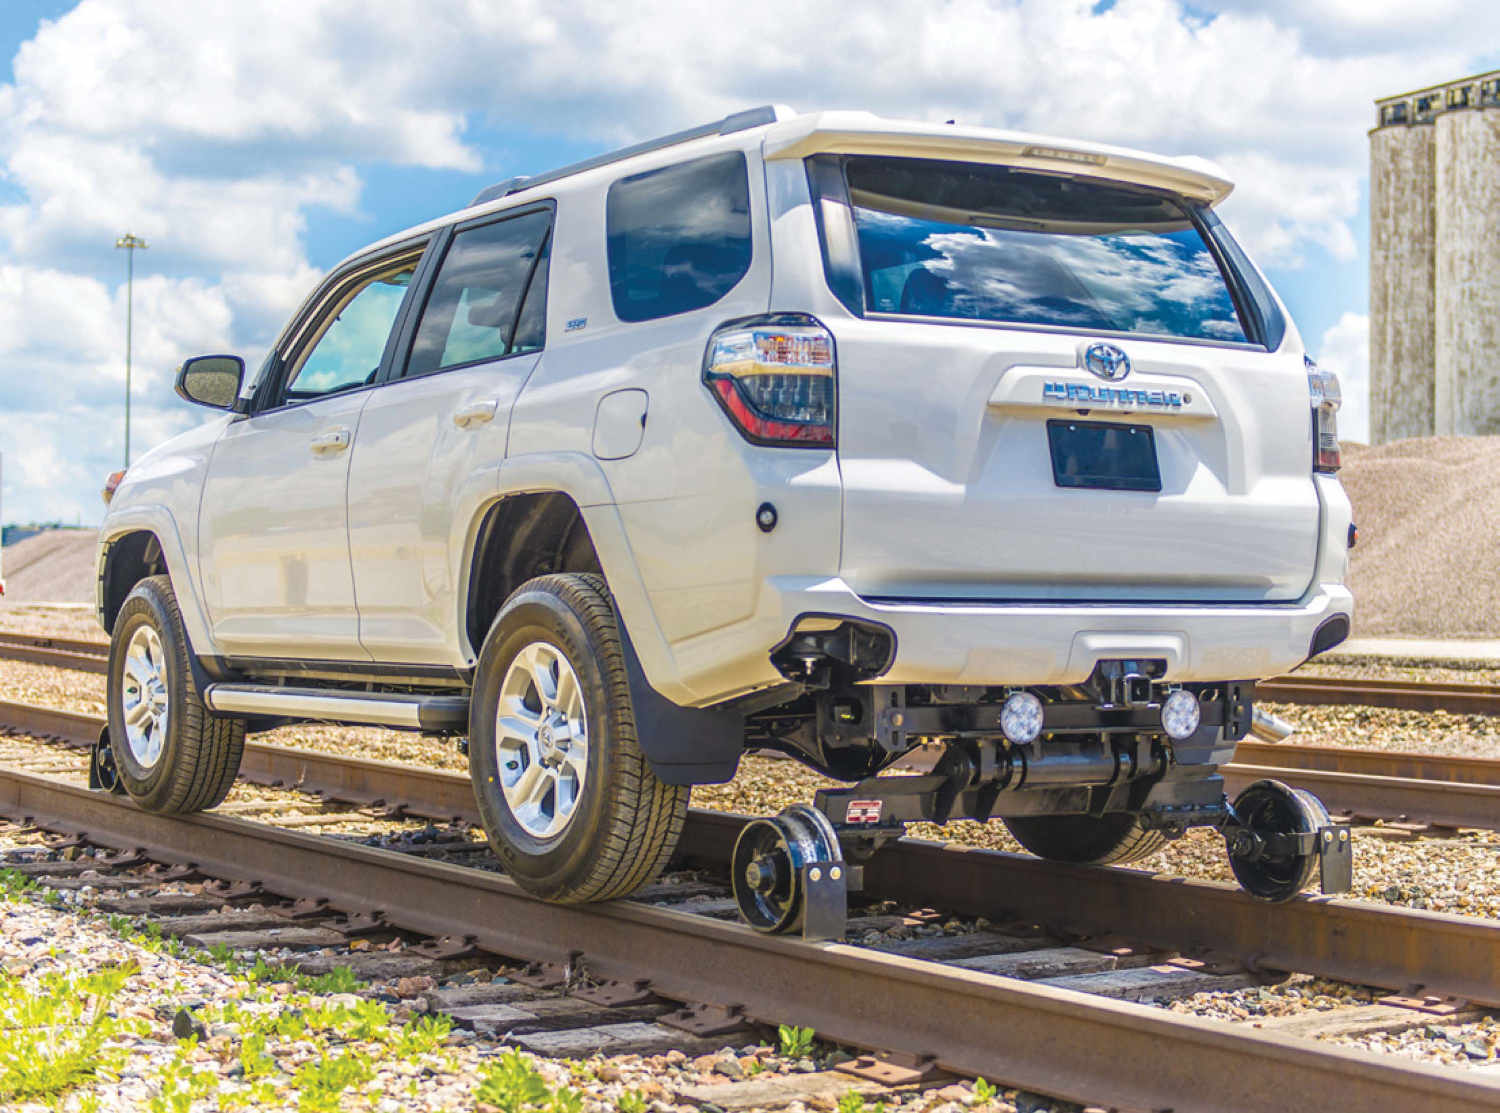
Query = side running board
x=330 y=705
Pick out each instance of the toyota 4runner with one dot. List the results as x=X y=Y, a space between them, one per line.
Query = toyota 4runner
x=823 y=434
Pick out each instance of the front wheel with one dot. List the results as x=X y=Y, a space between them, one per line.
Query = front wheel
x=568 y=800
x=1113 y=839
x=171 y=753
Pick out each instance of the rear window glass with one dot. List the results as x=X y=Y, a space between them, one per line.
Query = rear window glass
x=991 y=243
x=488 y=299
x=679 y=237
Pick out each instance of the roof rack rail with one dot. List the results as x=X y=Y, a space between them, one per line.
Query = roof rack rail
x=736 y=121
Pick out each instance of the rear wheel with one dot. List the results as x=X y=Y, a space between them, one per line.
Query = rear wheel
x=1112 y=839
x=171 y=754
x=569 y=802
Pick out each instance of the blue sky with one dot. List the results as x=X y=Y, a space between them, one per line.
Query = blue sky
x=254 y=143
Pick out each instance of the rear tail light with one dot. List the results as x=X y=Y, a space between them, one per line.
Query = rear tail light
x=1325 y=397
x=111 y=483
x=774 y=378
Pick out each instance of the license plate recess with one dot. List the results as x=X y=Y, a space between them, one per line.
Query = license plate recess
x=1103 y=455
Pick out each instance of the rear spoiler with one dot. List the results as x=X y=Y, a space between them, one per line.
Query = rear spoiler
x=859 y=133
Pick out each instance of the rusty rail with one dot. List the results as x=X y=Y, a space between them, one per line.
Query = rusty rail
x=1072 y=1045
x=1342 y=939
x=1406 y=695
x=1409 y=695
x=63 y=653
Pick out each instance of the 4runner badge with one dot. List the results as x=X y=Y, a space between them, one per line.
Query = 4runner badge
x=1086 y=396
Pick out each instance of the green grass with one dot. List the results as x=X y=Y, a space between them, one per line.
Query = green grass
x=13 y=883
x=57 y=1035
x=512 y=1085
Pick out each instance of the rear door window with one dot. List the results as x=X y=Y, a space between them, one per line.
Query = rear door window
x=489 y=298
x=678 y=238
x=991 y=243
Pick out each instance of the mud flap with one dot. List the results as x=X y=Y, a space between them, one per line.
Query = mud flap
x=685 y=745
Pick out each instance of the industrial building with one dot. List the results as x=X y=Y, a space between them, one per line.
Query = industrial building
x=1435 y=261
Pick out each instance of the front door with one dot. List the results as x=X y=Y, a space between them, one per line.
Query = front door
x=273 y=526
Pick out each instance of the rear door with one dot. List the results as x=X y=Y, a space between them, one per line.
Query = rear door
x=1056 y=391
x=432 y=438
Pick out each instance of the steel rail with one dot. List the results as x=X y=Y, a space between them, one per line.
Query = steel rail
x=1372 y=763
x=1440 y=803
x=1051 y=1040
x=1346 y=940
x=1406 y=695
x=1410 y=695
x=63 y=653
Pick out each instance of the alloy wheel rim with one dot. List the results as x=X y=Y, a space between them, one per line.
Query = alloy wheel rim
x=145 y=696
x=541 y=740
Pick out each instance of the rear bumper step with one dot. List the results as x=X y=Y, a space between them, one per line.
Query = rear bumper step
x=386 y=709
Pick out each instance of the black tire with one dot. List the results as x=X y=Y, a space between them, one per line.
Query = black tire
x=1112 y=839
x=196 y=756
x=623 y=822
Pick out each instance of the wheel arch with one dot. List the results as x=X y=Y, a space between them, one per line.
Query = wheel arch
x=526 y=534
x=143 y=542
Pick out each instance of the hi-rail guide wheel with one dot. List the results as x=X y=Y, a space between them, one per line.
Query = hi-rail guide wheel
x=1280 y=833
x=788 y=874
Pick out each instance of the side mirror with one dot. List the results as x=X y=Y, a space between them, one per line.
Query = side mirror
x=211 y=380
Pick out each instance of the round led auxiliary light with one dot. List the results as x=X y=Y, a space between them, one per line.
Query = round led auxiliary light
x=1180 y=714
x=1021 y=718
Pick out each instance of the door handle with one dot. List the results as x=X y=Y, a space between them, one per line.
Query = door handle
x=335 y=440
x=475 y=413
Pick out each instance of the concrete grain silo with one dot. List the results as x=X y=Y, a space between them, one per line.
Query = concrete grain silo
x=1402 y=304
x=1468 y=270
x=1435 y=261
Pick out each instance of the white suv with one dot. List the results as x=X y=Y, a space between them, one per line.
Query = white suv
x=825 y=433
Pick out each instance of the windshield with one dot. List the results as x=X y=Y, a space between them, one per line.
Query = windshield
x=991 y=243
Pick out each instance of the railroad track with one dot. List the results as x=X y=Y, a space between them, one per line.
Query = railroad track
x=63 y=653
x=1364 y=784
x=1409 y=695
x=937 y=998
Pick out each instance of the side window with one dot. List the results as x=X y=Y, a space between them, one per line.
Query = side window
x=678 y=238
x=489 y=298
x=348 y=352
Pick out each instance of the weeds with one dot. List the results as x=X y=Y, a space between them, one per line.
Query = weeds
x=13 y=883
x=322 y=1082
x=58 y=1036
x=512 y=1085
x=796 y=1043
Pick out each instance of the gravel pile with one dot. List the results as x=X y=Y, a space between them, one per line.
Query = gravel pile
x=53 y=567
x=1428 y=559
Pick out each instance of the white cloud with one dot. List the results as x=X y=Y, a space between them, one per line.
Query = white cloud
x=219 y=129
x=1345 y=350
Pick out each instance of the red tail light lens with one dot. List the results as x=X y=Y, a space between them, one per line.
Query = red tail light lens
x=1325 y=395
x=774 y=378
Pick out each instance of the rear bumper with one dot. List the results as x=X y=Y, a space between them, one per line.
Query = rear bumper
x=1061 y=644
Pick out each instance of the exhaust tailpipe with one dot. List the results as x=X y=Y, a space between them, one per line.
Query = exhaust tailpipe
x=1270 y=728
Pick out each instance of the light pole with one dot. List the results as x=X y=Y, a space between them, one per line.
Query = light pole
x=130 y=244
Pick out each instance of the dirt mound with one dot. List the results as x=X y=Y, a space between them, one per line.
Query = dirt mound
x=52 y=567
x=1428 y=559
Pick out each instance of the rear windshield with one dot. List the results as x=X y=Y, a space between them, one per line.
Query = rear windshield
x=991 y=243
